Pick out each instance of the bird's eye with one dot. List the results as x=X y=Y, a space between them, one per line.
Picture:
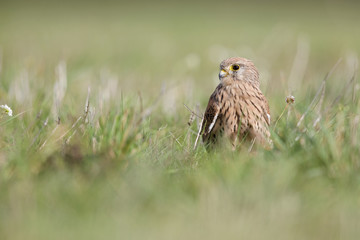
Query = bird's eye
x=235 y=67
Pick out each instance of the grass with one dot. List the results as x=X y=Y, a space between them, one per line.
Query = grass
x=100 y=147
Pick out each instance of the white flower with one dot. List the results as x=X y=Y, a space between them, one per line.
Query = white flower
x=6 y=109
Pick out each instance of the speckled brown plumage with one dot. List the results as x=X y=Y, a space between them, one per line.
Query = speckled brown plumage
x=237 y=108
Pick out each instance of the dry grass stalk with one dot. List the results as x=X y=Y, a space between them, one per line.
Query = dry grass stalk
x=318 y=94
x=72 y=127
x=51 y=134
x=141 y=102
x=12 y=118
x=282 y=113
x=319 y=107
x=147 y=111
x=38 y=134
x=198 y=135
x=60 y=87
x=189 y=123
x=299 y=66
x=20 y=89
x=87 y=105
x=252 y=145
x=197 y=109
x=192 y=112
x=342 y=94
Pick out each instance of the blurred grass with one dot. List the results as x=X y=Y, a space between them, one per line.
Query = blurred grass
x=122 y=166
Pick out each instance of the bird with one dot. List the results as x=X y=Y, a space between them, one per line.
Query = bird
x=237 y=108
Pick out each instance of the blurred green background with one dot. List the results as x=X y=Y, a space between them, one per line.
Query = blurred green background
x=155 y=42
x=126 y=168
x=149 y=44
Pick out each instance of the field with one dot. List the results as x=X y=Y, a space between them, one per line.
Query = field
x=100 y=144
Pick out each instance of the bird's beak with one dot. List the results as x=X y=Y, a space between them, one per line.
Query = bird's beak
x=223 y=73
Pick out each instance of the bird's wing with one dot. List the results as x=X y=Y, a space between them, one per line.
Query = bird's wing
x=266 y=111
x=260 y=119
x=209 y=119
x=210 y=116
x=266 y=132
x=258 y=104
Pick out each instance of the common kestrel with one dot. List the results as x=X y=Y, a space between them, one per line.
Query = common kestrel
x=237 y=108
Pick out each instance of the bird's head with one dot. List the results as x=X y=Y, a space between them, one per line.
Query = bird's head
x=238 y=69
